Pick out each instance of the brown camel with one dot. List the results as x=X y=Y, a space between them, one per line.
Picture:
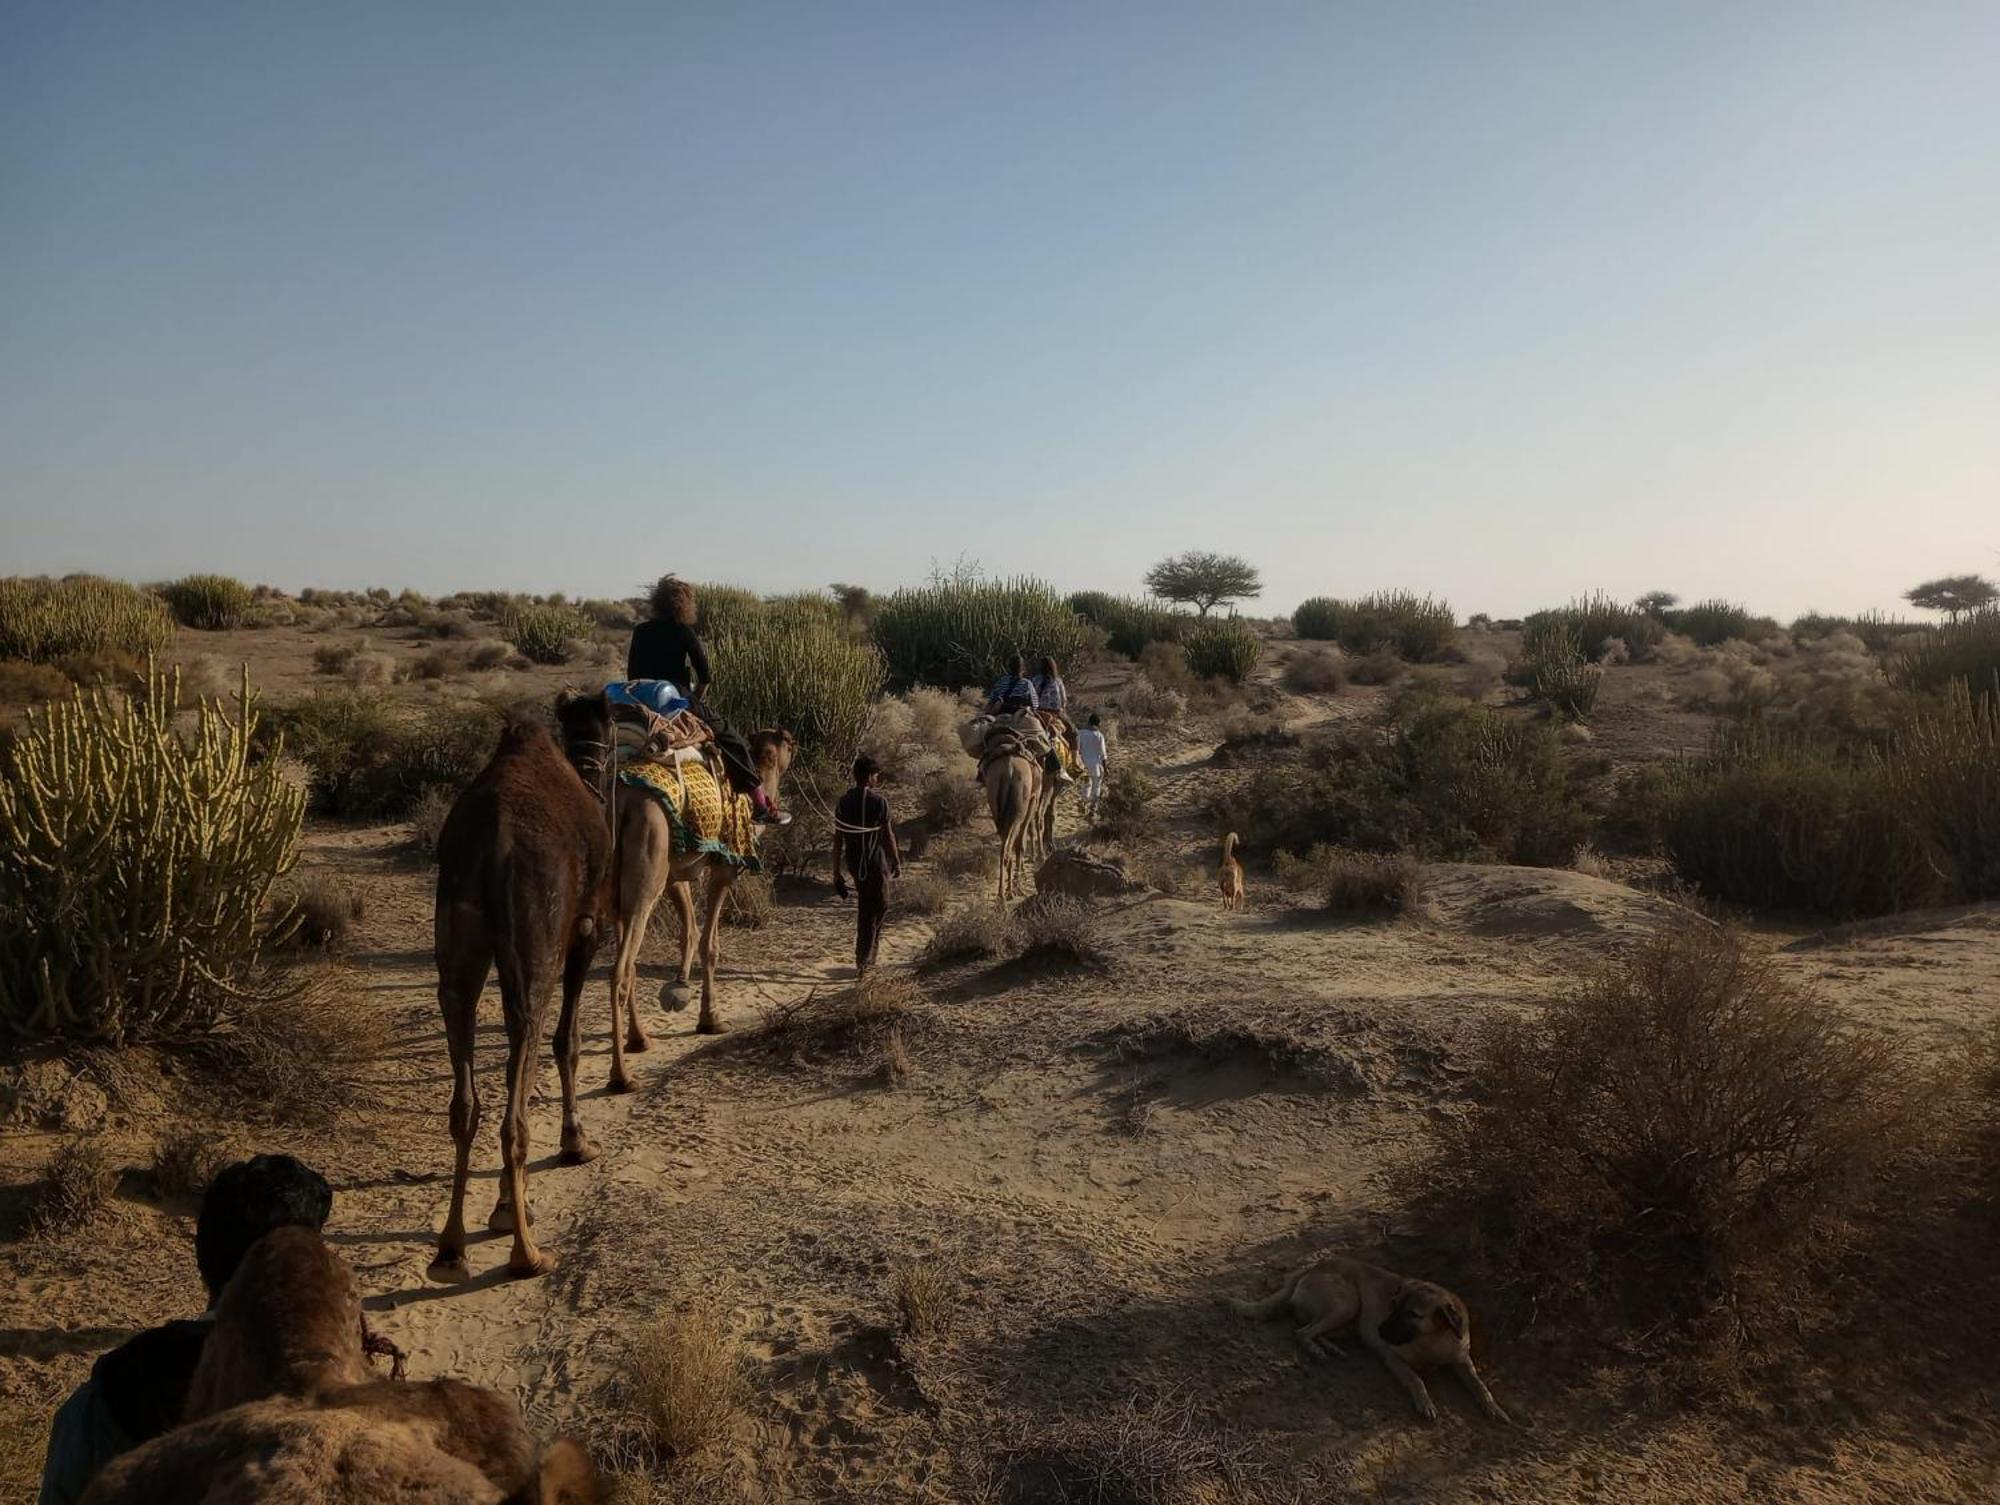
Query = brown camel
x=646 y=868
x=1229 y=874
x=1013 y=780
x=282 y=1411
x=524 y=862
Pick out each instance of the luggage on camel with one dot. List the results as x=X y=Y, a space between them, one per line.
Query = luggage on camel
x=654 y=722
x=987 y=736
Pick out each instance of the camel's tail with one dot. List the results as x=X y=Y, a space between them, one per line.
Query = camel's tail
x=1229 y=846
x=1273 y=1304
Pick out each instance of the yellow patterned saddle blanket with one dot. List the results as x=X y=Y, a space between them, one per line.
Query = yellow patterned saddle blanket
x=706 y=816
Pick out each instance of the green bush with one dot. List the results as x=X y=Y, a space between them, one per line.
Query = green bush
x=1783 y=823
x=1222 y=650
x=962 y=633
x=368 y=762
x=1594 y=622
x=1709 y=623
x=1966 y=652
x=135 y=861
x=720 y=608
x=1945 y=775
x=1418 y=628
x=1561 y=678
x=1433 y=776
x=43 y=619
x=1128 y=623
x=212 y=603
x=800 y=670
x=546 y=633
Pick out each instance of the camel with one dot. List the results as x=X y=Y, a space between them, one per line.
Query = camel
x=1229 y=874
x=646 y=868
x=282 y=1411
x=524 y=863
x=1023 y=806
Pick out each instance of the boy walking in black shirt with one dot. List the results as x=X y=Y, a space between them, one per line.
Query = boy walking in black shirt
x=864 y=844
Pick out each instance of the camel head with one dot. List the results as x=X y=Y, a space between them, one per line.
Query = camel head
x=773 y=751
x=288 y=1323
x=585 y=722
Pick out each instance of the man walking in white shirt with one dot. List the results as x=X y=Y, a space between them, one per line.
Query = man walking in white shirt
x=1090 y=749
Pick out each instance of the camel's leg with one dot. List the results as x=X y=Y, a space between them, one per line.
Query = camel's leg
x=524 y=991
x=463 y=959
x=683 y=896
x=644 y=873
x=577 y=1149
x=720 y=877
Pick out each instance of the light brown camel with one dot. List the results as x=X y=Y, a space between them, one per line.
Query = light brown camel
x=282 y=1411
x=1229 y=874
x=1014 y=780
x=524 y=863
x=646 y=868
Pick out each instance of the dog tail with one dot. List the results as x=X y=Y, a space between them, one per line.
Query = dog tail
x=1271 y=1305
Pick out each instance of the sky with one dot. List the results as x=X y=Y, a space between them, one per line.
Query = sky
x=1502 y=302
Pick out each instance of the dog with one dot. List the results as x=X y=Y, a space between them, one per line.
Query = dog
x=1229 y=874
x=1410 y=1324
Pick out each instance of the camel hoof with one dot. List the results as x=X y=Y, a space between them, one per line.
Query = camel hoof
x=708 y=1024
x=621 y=1081
x=673 y=997
x=582 y=1153
x=502 y=1220
x=449 y=1272
x=638 y=1044
x=541 y=1264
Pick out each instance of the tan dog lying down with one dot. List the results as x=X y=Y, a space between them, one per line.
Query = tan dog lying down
x=282 y=1411
x=1410 y=1324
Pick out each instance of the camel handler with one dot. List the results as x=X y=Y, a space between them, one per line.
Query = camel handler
x=1015 y=704
x=666 y=647
x=137 y=1391
x=864 y=844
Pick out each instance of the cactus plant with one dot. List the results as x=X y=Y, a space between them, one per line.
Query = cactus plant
x=135 y=860
x=212 y=603
x=42 y=620
x=961 y=633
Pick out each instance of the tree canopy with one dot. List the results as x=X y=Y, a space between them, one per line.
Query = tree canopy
x=1954 y=595
x=1203 y=580
x=1658 y=603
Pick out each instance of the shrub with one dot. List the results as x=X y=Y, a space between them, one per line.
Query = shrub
x=966 y=856
x=546 y=634
x=1379 y=667
x=927 y=894
x=488 y=655
x=333 y=658
x=1417 y=628
x=303 y=1056
x=1054 y=928
x=915 y=736
x=436 y=663
x=1130 y=624
x=1966 y=651
x=185 y=1160
x=850 y=1026
x=31 y=684
x=1944 y=776
x=319 y=916
x=76 y=1184
x=212 y=603
x=42 y=620
x=1433 y=776
x=369 y=762
x=427 y=813
x=722 y=608
x=1355 y=882
x=975 y=930
x=1708 y=623
x=135 y=861
x=682 y=1384
x=1144 y=701
x=750 y=904
x=1311 y=673
x=1779 y=822
x=1685 y=1133
x=805 y=673
x=923 y=1294
x=1561 y=678
x=1222 y=650
x=1126 y=811
x=961 y=633
x=1594 y=622
x=951 y=800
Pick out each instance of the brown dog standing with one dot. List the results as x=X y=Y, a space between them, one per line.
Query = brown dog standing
x=1410 y=1324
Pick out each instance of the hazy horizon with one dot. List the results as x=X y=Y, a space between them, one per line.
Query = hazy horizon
x=1502 y=305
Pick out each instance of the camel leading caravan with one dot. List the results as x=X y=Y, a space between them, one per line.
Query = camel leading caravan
x=647 y=866
x=1022 y=799
x=524 y=867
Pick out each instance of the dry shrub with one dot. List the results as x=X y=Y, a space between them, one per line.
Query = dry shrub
x=1054 y=929
x=1479 y=673
x=926 y=893
x=915 y=737
x=1381 y=667
x=964 y=856
x=370 y=670
x=681 y=1387
x=1144 y=1452
x=924 y=1296
x=333 y=658
x=1160 y=871
x=853 y=1025
x=1148 y=703
x=1355 y=882
x=435 y=663
x=968 y=933
x=185 y=1160
x=302 y=1058
x=31 y=684
x=491 y=654
x=75 y=1185
x=427 y=821
x=952 y=800
x=750 y=903
x=320 y=916
x=1127 y=809
x=1683 y=1144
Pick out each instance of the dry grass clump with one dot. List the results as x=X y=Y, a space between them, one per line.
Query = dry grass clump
x=1682 y=1145
x=1149 y=704
x=923 y=1293
x=30 y=684
x=75 y=1185
x=427 y=821
x=1127 y=810
x=971 y=932
x=436 y=663
x=1056 y=929
x=1379 y=667
x=185 y=1160
x=681 y=1387
x=302 y=1058
x=925 y=893
x=751 y=903
x=1355 y=882
x=320 y=915
x=968 y=855
x=951 y=800
x=1163 y=1451
x=333 y=658
x=490 y=654
x=866 y=1024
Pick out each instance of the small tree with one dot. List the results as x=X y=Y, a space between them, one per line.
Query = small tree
x=1954 y=595
x=1657 y=603
x=1203 y=580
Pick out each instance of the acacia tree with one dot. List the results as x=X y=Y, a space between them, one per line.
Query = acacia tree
x=1203 y=580
x=1657 y=603
x=1954 y=595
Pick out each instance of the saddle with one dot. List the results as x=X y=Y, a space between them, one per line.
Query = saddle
x=706 y=814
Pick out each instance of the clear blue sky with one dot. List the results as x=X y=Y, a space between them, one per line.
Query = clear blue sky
x=1500 y=301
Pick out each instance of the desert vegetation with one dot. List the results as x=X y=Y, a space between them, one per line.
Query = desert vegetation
x=1415 y=628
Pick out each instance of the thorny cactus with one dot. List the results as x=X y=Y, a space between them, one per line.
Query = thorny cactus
x=135 y=860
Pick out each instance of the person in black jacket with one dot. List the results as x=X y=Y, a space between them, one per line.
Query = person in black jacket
x=666 y=646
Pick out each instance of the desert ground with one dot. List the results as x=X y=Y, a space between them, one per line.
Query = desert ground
x=1089 y=1154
